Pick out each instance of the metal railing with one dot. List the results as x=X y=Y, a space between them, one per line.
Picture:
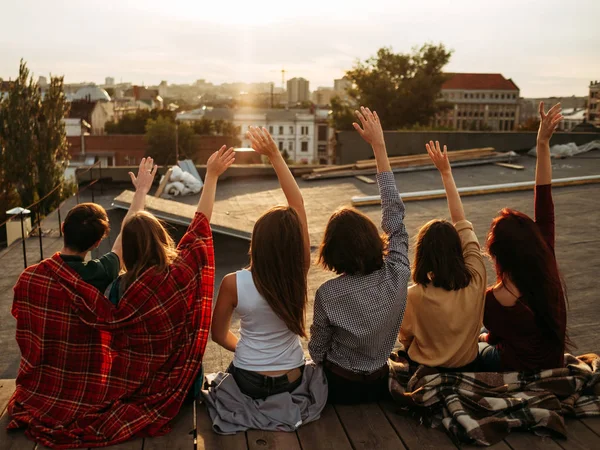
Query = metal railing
x=34 y=208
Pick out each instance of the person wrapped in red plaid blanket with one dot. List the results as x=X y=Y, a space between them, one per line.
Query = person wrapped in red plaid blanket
x=94 y=374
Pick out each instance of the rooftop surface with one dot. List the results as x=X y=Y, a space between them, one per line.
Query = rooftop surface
x=241 y=201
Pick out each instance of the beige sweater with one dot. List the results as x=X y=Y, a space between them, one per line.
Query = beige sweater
x=441 y=328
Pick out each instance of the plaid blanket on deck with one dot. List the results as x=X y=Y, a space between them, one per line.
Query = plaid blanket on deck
x=482 y=408
x=93 y=374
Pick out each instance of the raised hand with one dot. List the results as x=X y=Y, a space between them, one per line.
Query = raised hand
x=220 y=161
x=371 y=130
x=145 y=176
x=439 y=158
x=262 y=142
x=548 y=122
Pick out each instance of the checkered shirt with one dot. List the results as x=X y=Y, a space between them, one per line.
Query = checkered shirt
x=93 y=374
x=357 y=317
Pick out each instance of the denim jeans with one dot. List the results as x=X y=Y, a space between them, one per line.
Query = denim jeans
x=257 y=386
x=489 y=358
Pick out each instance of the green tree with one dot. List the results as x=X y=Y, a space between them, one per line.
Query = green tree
x=33 y=144
x=53 y=149
x=160 y=134
x=403 y=88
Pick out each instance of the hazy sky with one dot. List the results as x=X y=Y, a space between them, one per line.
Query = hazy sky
x=547 y=47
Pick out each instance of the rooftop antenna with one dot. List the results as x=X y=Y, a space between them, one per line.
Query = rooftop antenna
x=283 y=78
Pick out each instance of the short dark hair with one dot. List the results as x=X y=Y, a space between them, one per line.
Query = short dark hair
x=439 y=252
x=85 y=225
x=352 y=244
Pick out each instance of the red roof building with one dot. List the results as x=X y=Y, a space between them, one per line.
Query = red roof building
x=480 y=102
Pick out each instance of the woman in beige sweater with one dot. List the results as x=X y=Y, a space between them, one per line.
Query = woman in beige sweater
x=444 y=307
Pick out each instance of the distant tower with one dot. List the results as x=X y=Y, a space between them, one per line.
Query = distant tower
x=297 y=91
x=109 y=81
x=43 y=82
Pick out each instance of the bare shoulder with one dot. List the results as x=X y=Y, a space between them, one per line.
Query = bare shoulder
x=504 y=296
x=228 y=289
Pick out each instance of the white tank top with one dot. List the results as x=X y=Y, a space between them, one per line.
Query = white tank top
x=266 y=343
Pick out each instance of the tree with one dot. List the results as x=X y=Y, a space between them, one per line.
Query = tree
x=403 y=88
x=160 y=134
x=53 y=149
x=135 y=123
x=33 y=144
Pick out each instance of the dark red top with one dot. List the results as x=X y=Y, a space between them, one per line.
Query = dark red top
x=522 y=344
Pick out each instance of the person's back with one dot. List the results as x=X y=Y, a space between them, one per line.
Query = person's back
x=358 y=314
x=266 y=343
x=444 y=309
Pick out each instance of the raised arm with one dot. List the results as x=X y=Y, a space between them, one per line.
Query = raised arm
x=548 y=124
x=218 y=163
x=392 y=207
x=142 y=184
x=372 y=133
x=543 y=204
x=263 y=143
x=442 y=163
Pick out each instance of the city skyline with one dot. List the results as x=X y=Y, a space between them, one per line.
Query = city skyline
x=534 y=43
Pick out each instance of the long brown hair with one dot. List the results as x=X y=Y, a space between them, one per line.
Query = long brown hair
x=277 y=263
x=439 y=252
x=146 y=244
x=522 y=255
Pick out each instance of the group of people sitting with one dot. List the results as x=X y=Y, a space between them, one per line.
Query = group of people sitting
x=112 y=347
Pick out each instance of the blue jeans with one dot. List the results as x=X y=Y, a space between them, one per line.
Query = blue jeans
x=257 y=386
x=489 y=358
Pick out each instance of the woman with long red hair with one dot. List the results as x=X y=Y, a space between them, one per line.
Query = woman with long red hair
x=525 y=312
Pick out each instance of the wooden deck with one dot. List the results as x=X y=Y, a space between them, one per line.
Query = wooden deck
x=362 y=427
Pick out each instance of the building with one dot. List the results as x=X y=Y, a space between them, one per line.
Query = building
x=341 y=86
x=163 y=89
x=93 y=113
x=593 y=115
x=571 y=118
x=297 y=90
x=324 y=137
x=529 y=107
x=142 y=94
x=109 y=82
x=479 y=101
x=42 y=82
x=293 y=130
x=323 y=95
x=91 y=94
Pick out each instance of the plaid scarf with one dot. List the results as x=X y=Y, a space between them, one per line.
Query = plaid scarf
x=482 y=408
x=93 y=374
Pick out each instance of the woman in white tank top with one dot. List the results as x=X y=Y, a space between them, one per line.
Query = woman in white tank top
x=270 y=297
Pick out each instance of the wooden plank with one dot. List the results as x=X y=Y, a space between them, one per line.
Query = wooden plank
x=472 y=151
x=593 y=423
x=579 y=437
x=13 y=440
x=510 y=166
x=327 y=433
x=368 y=428
x=7 y=387
x=413 y=434
x=527 y=440
x=333 y=168
x=272 y=440
x=365 y=179
x=161 y=187
x=209 y=440
x=181 y=436
x=135 y=444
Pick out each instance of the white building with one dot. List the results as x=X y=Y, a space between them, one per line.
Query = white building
x=571 y=118
x=293 y=130
x=298 y=92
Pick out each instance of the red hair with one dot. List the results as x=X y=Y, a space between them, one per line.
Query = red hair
x=522 y=255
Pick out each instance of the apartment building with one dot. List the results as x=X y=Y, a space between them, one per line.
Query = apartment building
x=297 y=91
x=480 y=101
x=593 y=115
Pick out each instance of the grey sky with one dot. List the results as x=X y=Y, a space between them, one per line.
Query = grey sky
x=547 y=47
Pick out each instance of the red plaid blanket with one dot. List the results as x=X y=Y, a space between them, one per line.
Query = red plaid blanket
x=93 y=374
